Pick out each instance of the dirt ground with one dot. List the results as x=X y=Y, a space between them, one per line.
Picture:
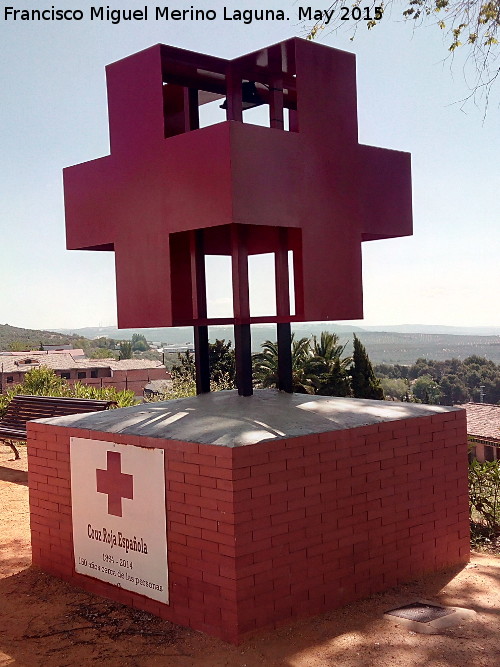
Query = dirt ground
x=44 y=621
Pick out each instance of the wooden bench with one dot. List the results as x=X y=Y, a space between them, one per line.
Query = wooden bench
x=22 y=409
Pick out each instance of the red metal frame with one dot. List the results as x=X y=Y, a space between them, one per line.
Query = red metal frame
x=242 y=189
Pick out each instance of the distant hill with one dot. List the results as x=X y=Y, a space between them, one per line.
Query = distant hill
x=389 y=346
x=32 y=337
x=436 y=329
x=400 y=348
x=183 y=335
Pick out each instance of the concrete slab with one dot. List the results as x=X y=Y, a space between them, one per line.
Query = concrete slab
x=226 y=419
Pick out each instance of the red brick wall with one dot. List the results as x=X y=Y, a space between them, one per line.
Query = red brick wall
x=262 y=534
x=17 y=378
x=135 y=379
x=325 y=519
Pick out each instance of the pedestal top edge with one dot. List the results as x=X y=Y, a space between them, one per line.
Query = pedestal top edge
x=229 y=420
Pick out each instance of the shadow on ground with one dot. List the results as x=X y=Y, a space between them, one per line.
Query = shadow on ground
x=11 y=475
x=46 y=622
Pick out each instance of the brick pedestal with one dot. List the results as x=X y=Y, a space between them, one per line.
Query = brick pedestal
x=277 y=506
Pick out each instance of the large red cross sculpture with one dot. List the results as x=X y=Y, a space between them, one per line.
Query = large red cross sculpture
x=170 y=193
x=116 y=484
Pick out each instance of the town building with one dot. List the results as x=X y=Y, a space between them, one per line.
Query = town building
x=73 y=366
x=483 y=430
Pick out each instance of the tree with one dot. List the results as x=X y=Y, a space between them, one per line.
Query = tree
x=469 y=24
x=364 y=382
x=42 y=381
x=19 y=346
x=125 y=350
x=186 y=366
x=101 y=353
x=328 y=347
x=421 y=367
x=336 y=382
x=426 y=390
x=139 y=343
x=325 y=369
x=151 y=355
x=450 y=381
x=395 y=389
x=221 y=363
x=491 y=391
x=265 y=365
x=183 y=377
x=453 y=390
x=391 y=371
x=317 y=366
x=103 y=342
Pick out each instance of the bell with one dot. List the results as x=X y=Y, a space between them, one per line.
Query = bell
x=249 y=96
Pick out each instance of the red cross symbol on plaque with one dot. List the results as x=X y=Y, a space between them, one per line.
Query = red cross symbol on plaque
x=115 y=483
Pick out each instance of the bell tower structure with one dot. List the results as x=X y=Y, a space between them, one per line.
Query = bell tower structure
x=170 y=193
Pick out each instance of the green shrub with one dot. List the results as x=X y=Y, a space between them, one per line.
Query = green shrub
x=184 y=386
x=42 y=381
x=124 y=397
x=484 y=501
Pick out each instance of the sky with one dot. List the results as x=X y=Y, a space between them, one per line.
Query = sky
x=53 y=114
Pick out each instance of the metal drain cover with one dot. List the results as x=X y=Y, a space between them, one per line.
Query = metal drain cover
x=421 y=612
x=428 y=617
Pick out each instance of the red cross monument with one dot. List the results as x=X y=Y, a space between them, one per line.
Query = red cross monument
x=171 y=193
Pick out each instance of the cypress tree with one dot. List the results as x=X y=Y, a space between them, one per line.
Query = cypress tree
x=336 y=382
x=364 y=382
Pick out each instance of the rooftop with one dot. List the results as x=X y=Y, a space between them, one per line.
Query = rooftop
x=483 y=421
x=67 y=359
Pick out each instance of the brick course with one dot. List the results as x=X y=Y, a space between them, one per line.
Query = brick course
x=261 y=534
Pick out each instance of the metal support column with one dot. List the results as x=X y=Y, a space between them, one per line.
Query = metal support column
x=243 y=358
x=285 y=376
x=241 y=307
x=283 y=329
x=199 y=296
